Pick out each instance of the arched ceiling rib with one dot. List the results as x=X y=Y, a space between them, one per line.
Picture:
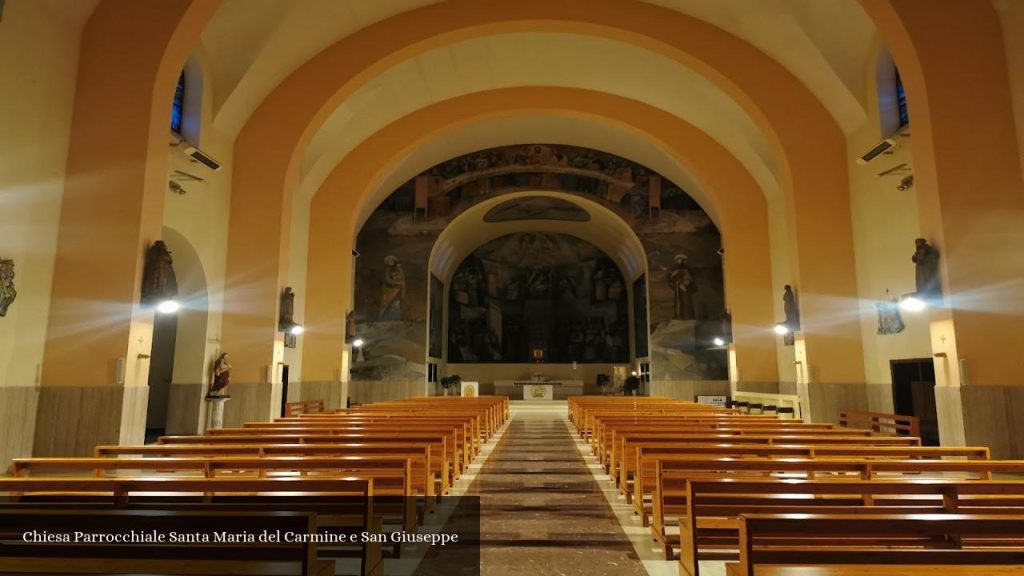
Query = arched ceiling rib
x=254 y=44
x=526 y=60
x=605 y=230
x=530 y=128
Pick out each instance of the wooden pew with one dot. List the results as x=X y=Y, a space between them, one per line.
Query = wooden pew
x=710 y=527
x=391 y=475
x=441 y=452
x=639 y=467
x=606 y=449
x=864 y=544
x=464 y=428
x=674 y=475
x=341 y=504
x=304 y=407
x=459 y=450
x=426 y=478
x=614 y=456
x=20 y=557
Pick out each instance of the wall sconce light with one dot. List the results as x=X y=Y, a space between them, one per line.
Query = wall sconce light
x=168 y=307
x=912 y=303
x=296 y=329
x=358 y=343
x=719 y=341
x=781 y=329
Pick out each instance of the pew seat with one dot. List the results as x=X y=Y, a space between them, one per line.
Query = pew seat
x=844 y=544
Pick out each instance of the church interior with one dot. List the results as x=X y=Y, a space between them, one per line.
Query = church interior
x=566 y=287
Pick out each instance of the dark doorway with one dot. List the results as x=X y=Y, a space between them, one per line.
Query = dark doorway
x=913 y=394
x=161 y=372
x=284 y=389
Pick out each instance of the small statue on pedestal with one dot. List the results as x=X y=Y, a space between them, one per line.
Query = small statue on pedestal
x=221 y=376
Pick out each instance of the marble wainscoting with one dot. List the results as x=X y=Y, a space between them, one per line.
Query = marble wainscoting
x=824 y=401
x=72 y=420
x=688 y=389
x=977 y=415
x=250 y=401
x=186 y=410
x=766 y=387
x=333 y=393
x=18 y=405
x=368 y=391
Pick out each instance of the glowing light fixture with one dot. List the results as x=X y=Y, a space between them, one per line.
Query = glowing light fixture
x=912 y=304
x=358 y=343
x=718 y=341
x=297 y=329
x=781 y=329
x=168 y=307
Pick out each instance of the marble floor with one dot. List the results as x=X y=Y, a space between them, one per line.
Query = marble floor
x=547 y=508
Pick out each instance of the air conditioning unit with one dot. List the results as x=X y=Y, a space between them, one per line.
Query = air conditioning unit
x=202 y=157
x=883 y=147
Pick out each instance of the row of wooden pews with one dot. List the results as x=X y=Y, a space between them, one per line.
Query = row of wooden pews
x=791 y=498
x=333 y=476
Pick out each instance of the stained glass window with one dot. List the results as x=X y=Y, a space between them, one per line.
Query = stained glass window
x=177 y=107
x=901 y=101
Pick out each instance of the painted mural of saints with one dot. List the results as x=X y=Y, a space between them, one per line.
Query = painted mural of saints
x=392 y=290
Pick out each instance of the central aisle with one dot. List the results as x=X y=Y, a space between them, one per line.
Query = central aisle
x=542 y=512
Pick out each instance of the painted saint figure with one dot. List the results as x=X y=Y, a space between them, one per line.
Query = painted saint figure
x=7 y=291
x=684 y=286
x=392 y=290
x=221 y=376
x=926 y=258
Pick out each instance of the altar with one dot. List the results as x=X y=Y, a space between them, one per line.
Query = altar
x=538 y=390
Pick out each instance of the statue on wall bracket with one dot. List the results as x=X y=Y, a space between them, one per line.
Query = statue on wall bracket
x=158 y=274
x=286 y=318
x=926 y=261
x=792 y=312
x=7 y=291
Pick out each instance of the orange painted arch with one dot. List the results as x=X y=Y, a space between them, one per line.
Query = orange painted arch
x=355 y=184
x=809 y=144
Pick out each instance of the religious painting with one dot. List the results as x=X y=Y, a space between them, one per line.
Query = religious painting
x=7 y=291
x=436 y=316
x=889 y=319
x=685 y=288
x=686 y=296
x=640 y=326
x=391 y=299
x=538 y=296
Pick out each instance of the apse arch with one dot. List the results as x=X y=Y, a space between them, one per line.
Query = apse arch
x=604 y=229
x=357 y=179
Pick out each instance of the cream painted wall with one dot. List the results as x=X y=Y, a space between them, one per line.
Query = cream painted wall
x=200 y=218
x=1012 y=14
x=39 y=44
x=297 y=255
x=778 y=234
x=885 y=224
